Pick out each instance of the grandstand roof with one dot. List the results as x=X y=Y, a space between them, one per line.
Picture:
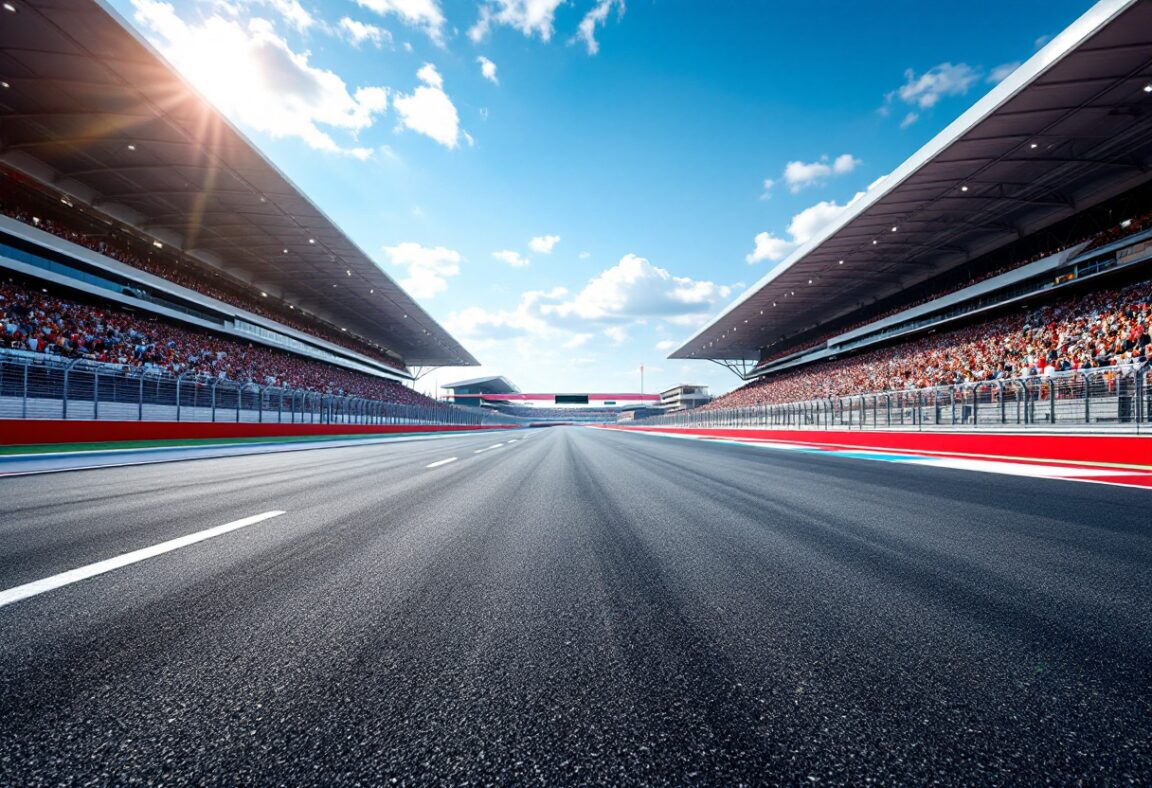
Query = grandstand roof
x=89 y=108
x=492 y=384
x=1068 y=129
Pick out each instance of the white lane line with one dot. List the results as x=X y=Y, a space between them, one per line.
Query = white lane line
x=490 y=448
x=513 y=440
x=100 y=567
x=438 y=463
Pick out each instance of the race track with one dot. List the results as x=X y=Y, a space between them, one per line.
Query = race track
x=577 y=606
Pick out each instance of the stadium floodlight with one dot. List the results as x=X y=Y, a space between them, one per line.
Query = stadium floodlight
x=4 y=85
x=131 y=146
x=10 y=8
x=895 y=228
x=840 y=263
x=963 y=188
x=158 y=245
x=311 y=240
x=263 y=294
x=1034 y=146
x=1148 y=88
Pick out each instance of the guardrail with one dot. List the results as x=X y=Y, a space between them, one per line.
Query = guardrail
x=1106 y=399
x=42 y=386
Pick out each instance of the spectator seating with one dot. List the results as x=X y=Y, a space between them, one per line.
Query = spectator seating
x=1102 y=329
x=179 y=271
x=31 y=319
x=1114 y=233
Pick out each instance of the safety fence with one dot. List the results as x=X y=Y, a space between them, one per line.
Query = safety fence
x=40 y=386
x=1109 y=398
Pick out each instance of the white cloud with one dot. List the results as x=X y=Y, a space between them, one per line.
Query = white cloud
x=597 y=16
x=430 y=76
x=530 y=17
x=428 y=110
x=630 y=294
x=925 y=90
x=635 y=289
x=769 y=247
x=618 y=334
x=292 y=12
x=514 y=259
x=544 y=244
x=667 y=344
x=255 y=78
x=584 y=255
x=803 y=227
x=423 y=14
x=357 y=33
x=800 y=175
x=428 y=267
x=767 y=193
x=488 y=70
x=1001 y=72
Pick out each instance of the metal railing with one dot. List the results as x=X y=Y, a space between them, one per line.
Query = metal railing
x=1109 y=399
x=43 y=386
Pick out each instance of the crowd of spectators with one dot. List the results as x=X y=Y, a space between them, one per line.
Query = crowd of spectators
x=175 y=269
x=1114 y=233
x=1107 y=329
x=32 y=319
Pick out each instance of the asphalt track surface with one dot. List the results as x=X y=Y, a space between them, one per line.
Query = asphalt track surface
x=579 y=607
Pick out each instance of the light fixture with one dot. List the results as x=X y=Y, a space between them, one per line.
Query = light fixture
x=131 y=146
x=348 y=272
x=158 y=245
x=894 y=228
x=1034 y=146
x=311 y=240
x=809 y=281
x=963 y=188
x=840 y=263
x=10 y=8
x=4 y=84
x=263 y=294
x=285 y=251
x=874 y=242
x=1148 y=88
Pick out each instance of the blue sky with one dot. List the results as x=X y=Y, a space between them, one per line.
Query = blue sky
x=572 y=187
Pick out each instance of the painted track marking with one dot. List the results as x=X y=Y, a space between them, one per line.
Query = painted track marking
x=438 y=463
x=100 y=567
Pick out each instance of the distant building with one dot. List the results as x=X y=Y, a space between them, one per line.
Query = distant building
x=471 y=392
x=684 y=397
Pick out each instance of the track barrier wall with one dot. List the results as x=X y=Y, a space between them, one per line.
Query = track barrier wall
x=40 y=432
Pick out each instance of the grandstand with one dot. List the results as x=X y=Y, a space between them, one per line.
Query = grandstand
x=142 y=235
x=500 y=395
x=1015 y=246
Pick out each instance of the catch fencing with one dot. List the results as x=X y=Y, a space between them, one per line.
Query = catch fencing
x=39 y=386
x=1110 y=399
